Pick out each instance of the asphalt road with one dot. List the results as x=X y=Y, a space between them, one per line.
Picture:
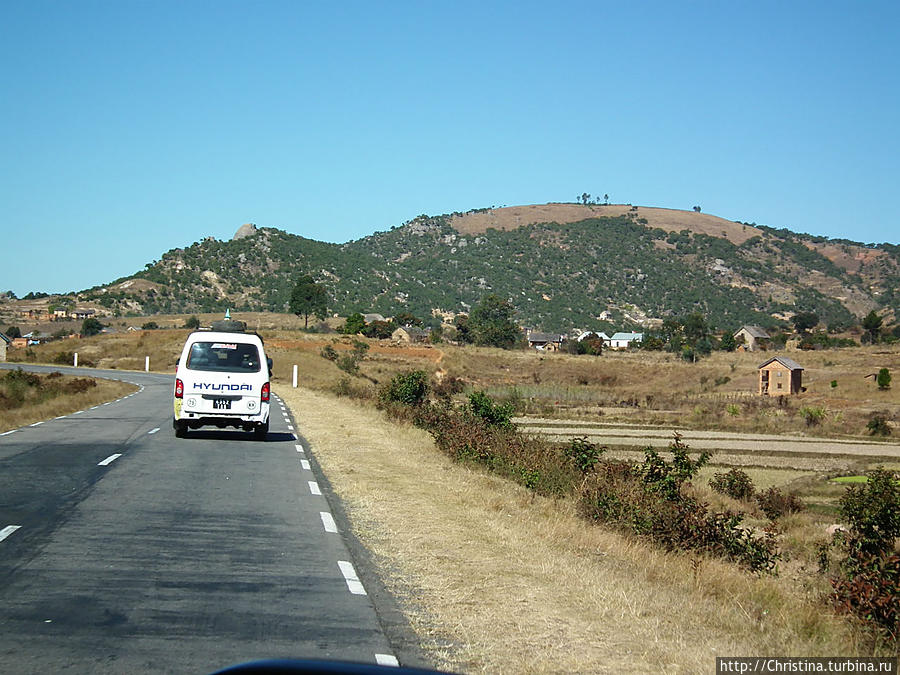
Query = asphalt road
x=126 y=550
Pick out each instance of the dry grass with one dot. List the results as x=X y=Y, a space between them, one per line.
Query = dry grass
x=65 y=404
x=497 y=580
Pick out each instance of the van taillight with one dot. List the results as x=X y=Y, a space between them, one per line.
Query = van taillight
x=265 y=393
x=179 y=388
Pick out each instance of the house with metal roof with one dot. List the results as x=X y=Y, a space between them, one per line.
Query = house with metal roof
x=624 y=340
x=780 y=376
x=752 y=339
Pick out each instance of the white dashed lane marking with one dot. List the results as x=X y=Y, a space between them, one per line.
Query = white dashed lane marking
x=8 y=530
x=328 y=522
x=387 y=660
x=109 y=460
x=153 y=431
x=299 y=448
x=314 y=488
x=304 y=464
x=36 y=424
x=353 y=582
x=7 y=433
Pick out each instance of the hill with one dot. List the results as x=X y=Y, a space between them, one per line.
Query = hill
x=564 y=266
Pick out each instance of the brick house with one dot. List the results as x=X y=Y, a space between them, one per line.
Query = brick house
x=780 y=376
x=754 y=339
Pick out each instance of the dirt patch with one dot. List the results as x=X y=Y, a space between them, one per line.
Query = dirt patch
x=670 y=220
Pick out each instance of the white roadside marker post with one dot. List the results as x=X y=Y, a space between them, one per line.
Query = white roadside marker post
x=295 y=376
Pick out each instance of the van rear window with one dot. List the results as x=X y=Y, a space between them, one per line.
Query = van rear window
x=224 y=357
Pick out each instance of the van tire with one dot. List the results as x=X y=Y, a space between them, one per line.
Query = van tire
x=181 y=428
x=261 y=431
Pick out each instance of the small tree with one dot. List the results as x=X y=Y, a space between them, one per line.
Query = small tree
x=727 y=343
x=13 y=332
x=91 y=327
x=354 y=324
x=872 y=325
x=308 y=298
x=805 y=321
x=884 y=379
x=192 y=322
x=491 y=323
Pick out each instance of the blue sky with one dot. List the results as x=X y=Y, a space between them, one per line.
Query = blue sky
x=128 y=128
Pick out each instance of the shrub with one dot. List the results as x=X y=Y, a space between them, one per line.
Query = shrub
x=734 y=483
x=878 y=425
x=408 y=388
x=344 y=387
x=871 y=593
x=583 y=454
x=348 y=364
x=64 y=358
x=812 y=415
x=867 y=582
x=483 y=407
x=775 y=503
x=650 y=500
x=873 y=511
x=883 y=379
x=447 y=386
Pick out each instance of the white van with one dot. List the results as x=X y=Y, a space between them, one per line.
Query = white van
x=222 y=379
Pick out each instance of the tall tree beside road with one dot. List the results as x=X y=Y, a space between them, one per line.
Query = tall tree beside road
x=309 y=298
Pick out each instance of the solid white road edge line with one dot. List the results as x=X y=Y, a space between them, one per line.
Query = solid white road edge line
x=8 y=530
x=314 y=488
x=328 y=522
x=353 y=582
x=109 y=460
x=387 y=660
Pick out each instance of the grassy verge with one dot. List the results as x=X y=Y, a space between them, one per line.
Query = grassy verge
x=497 y=579
x=26 y=398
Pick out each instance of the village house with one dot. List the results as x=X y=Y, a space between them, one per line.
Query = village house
x=752 y=338
x=410 y=334
x=780 y=376
x=590 y=334
x=547 y=342
x=624 y=340
x=82 y=314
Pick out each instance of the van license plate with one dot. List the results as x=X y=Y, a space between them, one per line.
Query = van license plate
x=221 y=404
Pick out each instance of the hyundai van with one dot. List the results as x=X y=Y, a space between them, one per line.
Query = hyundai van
x=223 y=379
